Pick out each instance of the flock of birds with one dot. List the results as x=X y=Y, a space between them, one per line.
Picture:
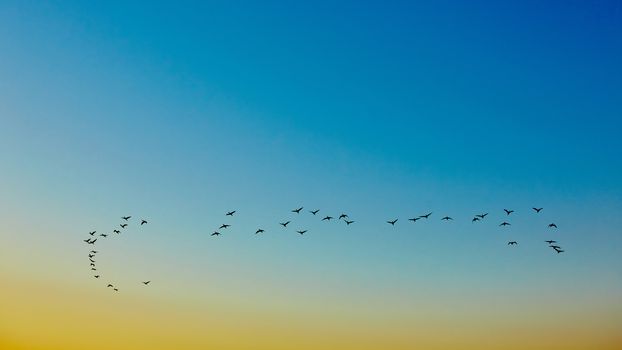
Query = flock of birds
x=92 y=254
x=342 y=218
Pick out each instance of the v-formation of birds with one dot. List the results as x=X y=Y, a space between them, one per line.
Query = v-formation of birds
x=342 y=217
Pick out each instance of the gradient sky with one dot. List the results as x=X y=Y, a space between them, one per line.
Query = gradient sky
x=178 y=112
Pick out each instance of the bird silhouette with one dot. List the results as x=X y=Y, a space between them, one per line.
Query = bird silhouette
x=259 y=231
x=302 y=232
x=314 y=211
x=551 y=242
x=93 y=241
x=94 y=251
x=91 y=256
x=230 y=213
x=91 y=260
x=414 y=219
x=558 y=250
x=537 y=209
x=92 y=265
x=475 y=219
x=115 y=289
x=142 y=222
x=551 y=225
x=92 y=233
x=88 y=240
x=555 y=246
x=109 y=286
x=284 y=224
x=343 y=216
x=505 y=223
x=349 y=222
x=481 y=216
x=223 y=226
x=508 y=211
x=126 y=217
x=327 y=218
x=116 y=231
x=96 y=276
x=123 y=225
x=93 y=269
x=512 y=243
x=425 y=216
x=297 y=211
x=392 y=222
x=216 y=233
x=447 y=218
x=146 y=282
x=104 y=235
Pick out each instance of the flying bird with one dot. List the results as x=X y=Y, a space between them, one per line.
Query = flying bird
x=343 y=216
x=551 y=242
x=558 y=250
x=94 y=251
x=126 y=217
x=104 y=235
x=284 y=224
x=115 y=289
x=302 y=232
x=481 y=216
x=512 y=243
x=314 y=211
x=91 y=256
x=216 y=233
x=109 y=286
x=142 y=222
x=93 y=241
x=123 y=225
x=392 y=222
x=508 y=211
x=425 y=216
x=93 y=265
x=91 y=260
x=551 y=225
x=475 y=219
x=93 y=269
x=537 y=209
x=230 y=213
x=555 y=246
x=447 y=218
x=505 y=223
x=223 y=226
x=116 y=231
x=259 y=231
x=414 y=219
x=348 y=222
x=146 y=282
x=88 y=240
x=96 y=276
x=297 y=211
x=92 y=233
x=328 y=218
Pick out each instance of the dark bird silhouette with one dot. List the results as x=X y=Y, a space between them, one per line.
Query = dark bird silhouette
x=481 y=216
x=223 y=226
x=328 y=218
x=104 y=235
x=126 y=217
x=284 y=224
x=343 y=216
x=216 y=233
x=555 y=246
x=552 y=225
x=508 y=211
x=230 y=213
x=348 y=222
x=87 y=240
x=146 y=282
x=91 y=260
x=475 y=219
x=115 y=289
x=558 y=250
x=92 y=233
x=116 y=231
x=551 y=242
x=142 y=222
x=297 y=211
x=94 y=251
x=447 y=218
x=91 y=256
x=392 y=222
x=93 y=241
x=512 y=243
x=302 y=232
x=96 y=276
x=425 y=216
x=93 y=269
x=537 y=209
x=414 y=219
x=92 y=265
x=259 y=231
x=123 y=225
x=109 y=286
x=314 y=211
x=505 y=223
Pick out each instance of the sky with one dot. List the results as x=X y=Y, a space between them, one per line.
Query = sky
x=179 y=112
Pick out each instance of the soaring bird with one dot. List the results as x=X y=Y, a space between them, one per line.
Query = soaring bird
x=343 y=216
x=328 y=218
x=414 y=219
x=223 y=226
x=302 y=232
x=115 y=289
x=93 y=269
x=505 y=223
x=475 y=219
x=425 y=216
x=91 y=260
x=126 y=217
x=512 y=243
x=314 y=211
x=284 y=224
x=508 y=211
x=92 y=265
x=551 y=225
x=348 y=222
x=92 y=233
x=558 y=250
x=230 y=213
x=143 y=221
x=91 y=256
x=96 y=276
x=116 y=231
x=93 y=241
x=216 y=233
x=123 y=225
x=537 y=209
x=146 y=282
x=481 y=216
x=109 y=286
x=392 y=222
x=555 y=246
x=88 y=240
x=104 y=235
x=551 y=242
x=94 y=251
x=259 y=231
x=297 y=211
x=446 y=218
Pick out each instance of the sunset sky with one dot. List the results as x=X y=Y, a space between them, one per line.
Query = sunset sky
x=177 y=112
